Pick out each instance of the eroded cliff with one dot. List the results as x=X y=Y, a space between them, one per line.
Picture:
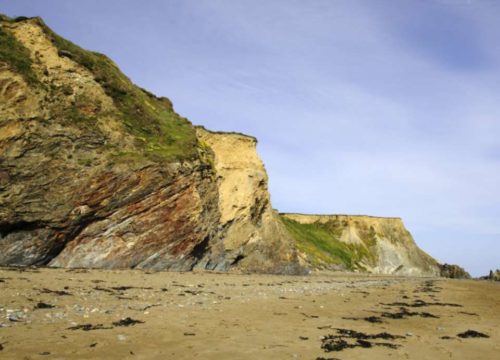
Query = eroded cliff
x=252 y=234
x=94 y=172
x=364 y=243
x=97 y=172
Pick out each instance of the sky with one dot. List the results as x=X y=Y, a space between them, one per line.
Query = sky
x=386 y=108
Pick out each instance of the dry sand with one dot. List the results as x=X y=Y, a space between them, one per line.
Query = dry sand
x=227 y=316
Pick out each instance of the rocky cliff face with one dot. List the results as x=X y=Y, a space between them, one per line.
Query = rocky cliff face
x=365 y=243
x=252 y=234
x=96 y=172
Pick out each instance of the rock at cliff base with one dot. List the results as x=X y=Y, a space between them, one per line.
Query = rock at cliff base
x=453 y=272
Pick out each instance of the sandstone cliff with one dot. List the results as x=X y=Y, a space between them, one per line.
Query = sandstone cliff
x=364 y=243
x=252 y=234
x=96 y=172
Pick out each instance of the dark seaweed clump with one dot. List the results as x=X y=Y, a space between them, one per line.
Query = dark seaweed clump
x=42 y=305
x=127 y=322
x=55 y=292
x=421 y=303
x=88 y=327
x=404 y=313
x=370 y=319
x=348 y=339
x=472 y=334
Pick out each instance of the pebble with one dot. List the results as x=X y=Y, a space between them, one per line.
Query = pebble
x=59 y=315
x=78 y=308
x=15 y=315
x=121 y=337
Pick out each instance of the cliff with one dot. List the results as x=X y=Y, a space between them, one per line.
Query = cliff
x=94 y=171
x=97 y=172
x=362 y=243
x=252 y=235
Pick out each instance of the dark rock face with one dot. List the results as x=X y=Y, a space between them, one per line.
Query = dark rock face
x=112 y=215
x=160 y=229
x=453 y=272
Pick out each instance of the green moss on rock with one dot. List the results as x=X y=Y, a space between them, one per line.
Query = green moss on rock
x=13 y=53
x=161 y=133
x=321 y=243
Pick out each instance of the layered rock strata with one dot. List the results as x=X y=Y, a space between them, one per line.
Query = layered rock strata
x=96 y=172
x=78 y=188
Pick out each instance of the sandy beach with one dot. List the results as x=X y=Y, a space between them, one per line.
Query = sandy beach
x=131 y=314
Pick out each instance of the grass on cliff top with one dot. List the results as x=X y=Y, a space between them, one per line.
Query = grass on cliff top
x=16 y=55
x=160 y=132
x=321 y=243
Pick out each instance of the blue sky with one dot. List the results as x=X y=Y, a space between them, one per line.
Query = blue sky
x=386 y=108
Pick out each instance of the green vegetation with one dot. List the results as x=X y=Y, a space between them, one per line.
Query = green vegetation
x=369 y=236
x=16 y=55
x=321 y=243
x=19 y=18
x=73 y=116
x=161 y=133
x=85 y=162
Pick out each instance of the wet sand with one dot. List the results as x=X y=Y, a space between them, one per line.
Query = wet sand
x=132 y=314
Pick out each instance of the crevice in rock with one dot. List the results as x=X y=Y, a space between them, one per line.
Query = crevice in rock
x=237 y=259
x=257 y=210
x=6 y=229
x=200 y=249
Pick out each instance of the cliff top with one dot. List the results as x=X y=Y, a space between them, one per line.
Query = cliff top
x=339 y=216
x=229 y=133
